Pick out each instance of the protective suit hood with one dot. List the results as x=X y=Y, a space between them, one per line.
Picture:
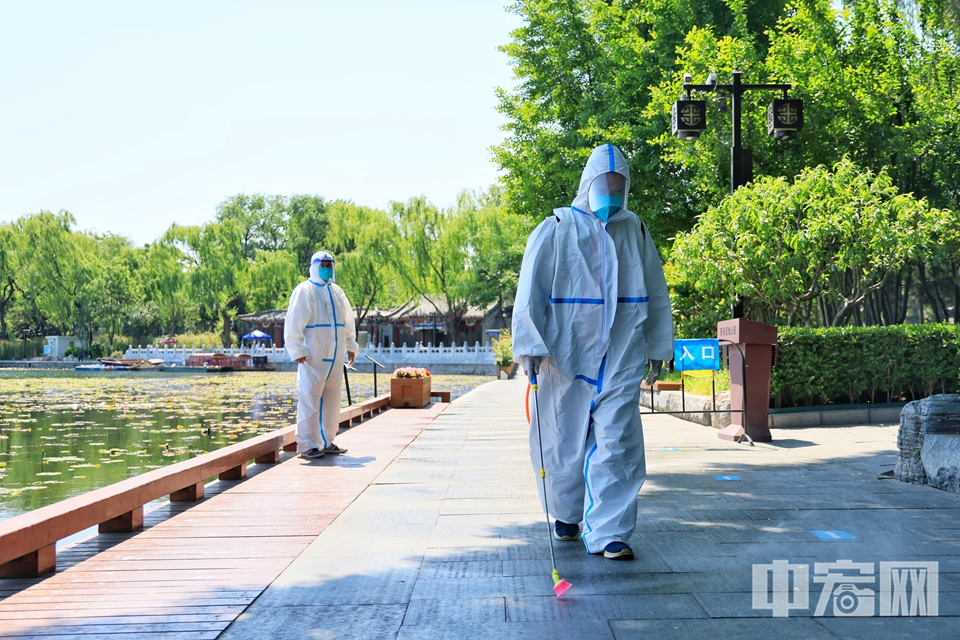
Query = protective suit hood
x=603 y=159
x=315 y=260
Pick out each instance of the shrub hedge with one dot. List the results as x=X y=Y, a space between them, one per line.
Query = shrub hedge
x=841 y=365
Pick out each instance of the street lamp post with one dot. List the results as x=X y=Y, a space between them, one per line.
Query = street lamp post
x=784 y=118
x=784 y=121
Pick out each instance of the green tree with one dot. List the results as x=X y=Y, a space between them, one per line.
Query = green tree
x=809 y=252
x=9 y=246
x=216 y=271
x=272 y=276
x=306 y=227
x=496 y=241
x=364 y=242
x=261 y=220
x=57 y=263
x=584 y=71
x=164 y=278
x=433 y=256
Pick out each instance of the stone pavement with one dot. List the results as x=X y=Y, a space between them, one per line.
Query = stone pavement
x=450 y=541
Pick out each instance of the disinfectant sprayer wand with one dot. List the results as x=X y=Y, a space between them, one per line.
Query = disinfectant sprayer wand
x=559 y=586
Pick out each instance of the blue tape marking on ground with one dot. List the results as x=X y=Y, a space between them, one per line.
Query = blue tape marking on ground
x=669 y=448
x=640 y=299
x=576 y=300
x=833 y=535
x=725 y=478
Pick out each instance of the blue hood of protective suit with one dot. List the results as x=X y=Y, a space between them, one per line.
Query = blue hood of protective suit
x=603 y=159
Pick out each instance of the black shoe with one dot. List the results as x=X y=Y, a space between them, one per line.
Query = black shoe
x=566 y=532
x=313 y=453
x=618 y=551
x=334 y=450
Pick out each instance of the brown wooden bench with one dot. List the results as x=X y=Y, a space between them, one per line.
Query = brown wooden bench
x=444 y=396
x=28 y=542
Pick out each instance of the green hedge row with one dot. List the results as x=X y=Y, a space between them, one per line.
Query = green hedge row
x=841 y=365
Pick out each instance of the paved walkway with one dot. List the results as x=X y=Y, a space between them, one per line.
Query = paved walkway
x=449 y=541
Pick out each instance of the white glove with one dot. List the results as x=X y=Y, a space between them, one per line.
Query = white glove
x=530 y=364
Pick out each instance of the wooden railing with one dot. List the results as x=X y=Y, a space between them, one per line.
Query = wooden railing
x=28 y=541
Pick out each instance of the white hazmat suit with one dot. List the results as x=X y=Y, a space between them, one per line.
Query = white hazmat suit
x=592 y=302
x=319 y=325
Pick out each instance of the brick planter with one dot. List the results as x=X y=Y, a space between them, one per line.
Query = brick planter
x=412 y=393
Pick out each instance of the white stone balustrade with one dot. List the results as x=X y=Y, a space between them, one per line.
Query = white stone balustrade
x=416 y=355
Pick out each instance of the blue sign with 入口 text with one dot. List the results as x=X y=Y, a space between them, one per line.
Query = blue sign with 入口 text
x=696 y=355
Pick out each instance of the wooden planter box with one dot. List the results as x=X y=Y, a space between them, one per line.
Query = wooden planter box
x=413 y=393
x=508 y=370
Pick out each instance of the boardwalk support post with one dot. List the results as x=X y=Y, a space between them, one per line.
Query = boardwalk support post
x=238 y=472
x=124 y=523
x=188 y=494
x=32 y=565
x=268 y=458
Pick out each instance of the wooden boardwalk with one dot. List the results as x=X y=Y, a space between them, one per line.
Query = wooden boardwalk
x=192 y=574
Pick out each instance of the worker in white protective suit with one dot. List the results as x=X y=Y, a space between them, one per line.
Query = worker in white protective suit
x=592 y=307
x=319 y=328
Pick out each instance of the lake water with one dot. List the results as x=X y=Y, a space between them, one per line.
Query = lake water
x=63 y=433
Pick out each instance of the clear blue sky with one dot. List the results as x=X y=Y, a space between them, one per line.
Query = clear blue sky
x=135 y=115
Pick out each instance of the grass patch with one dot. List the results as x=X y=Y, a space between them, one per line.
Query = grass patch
x=700 y=386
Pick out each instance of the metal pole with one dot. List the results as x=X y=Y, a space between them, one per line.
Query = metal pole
x=346 y=380
x=741 y=160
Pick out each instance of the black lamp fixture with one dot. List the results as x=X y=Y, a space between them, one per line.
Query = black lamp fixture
x=784 y=118
x=689 y=116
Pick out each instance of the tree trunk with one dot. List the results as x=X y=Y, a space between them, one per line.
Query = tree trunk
x=226 y=338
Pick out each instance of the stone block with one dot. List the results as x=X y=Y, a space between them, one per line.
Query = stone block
x=940 y=457
x=941 y=413
x=929 y=442
x=909 y=444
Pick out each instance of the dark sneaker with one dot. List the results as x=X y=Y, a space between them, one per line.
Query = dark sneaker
x=313 y=453
x=334 y=450
x=618 y=551
x=566 y=532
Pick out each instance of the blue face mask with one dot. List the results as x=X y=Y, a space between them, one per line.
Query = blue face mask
x=326 y=273
x=605 y=206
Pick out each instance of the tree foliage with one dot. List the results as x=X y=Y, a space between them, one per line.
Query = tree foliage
x=817 y=251
x=200 y=278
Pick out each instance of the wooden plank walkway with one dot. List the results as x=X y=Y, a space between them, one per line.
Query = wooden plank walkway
x=191 y=575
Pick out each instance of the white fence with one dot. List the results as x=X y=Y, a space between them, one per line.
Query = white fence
x=477 y=354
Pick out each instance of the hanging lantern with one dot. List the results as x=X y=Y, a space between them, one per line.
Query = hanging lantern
x=784 y=118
